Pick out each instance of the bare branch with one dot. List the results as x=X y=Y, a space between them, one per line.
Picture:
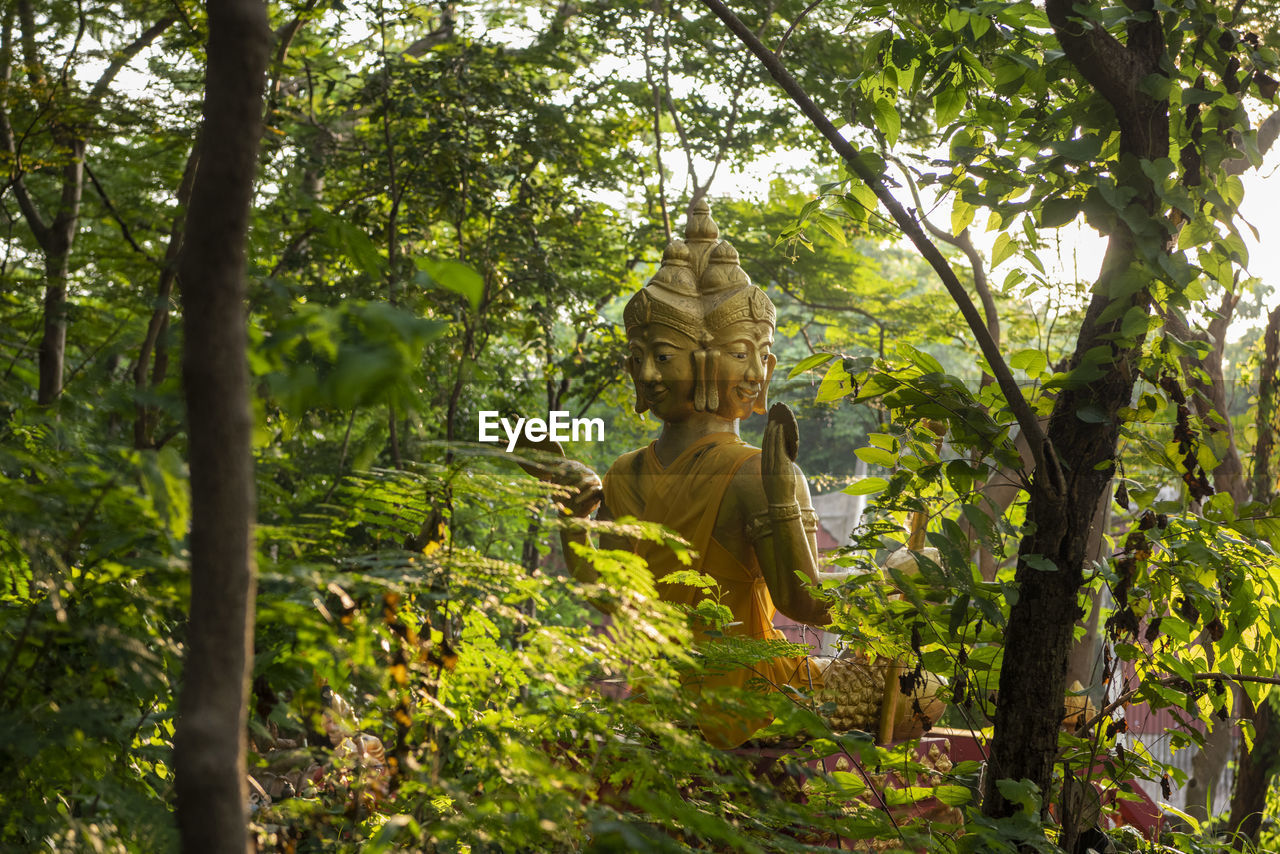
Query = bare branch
x=782 y=42
x=126 y=54
x=111 y=209
x=964 y=242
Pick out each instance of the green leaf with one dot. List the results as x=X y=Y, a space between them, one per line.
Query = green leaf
x=454 y=276
x=866 y=486
x=835 y=385
x=887 y=119
x=961 y=215
x=1056 y=213
x=1039 y=562
x=877 y=457
x=1199 y=231
x=808 y=363
x=1004 y=248
x=1083 y=150
x=927 y=363
x=833 y=229
x=1033 y=361
x=1136 y=322
x=948 y=104
x=1092 y=413
x=1191 y=821
x=1024 y=793
x=1199 y=96
x=951 y=795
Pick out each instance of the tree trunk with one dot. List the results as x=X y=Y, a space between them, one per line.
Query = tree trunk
x=57 y=268
x=1038 y=640
x=53 y=341
x=210 y=746
x=1268 y=403
x=1257 y=766
x=1253 y=777
x=156 y=339
x=1041 y=621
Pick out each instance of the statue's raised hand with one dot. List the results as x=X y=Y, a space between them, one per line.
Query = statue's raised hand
x=778 y=452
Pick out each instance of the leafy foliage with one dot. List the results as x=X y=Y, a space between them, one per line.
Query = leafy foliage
x=452 y=201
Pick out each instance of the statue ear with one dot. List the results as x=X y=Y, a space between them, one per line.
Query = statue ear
x=706 y=395
x=762 y=402
x=641 y=405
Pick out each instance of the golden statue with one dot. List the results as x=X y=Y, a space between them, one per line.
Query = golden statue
x=699 y=336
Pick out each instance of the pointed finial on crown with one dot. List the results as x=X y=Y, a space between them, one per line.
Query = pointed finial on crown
x=701 y=233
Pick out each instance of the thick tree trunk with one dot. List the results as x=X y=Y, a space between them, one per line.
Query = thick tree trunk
x=1041 y=621
x=1059 y=519
x=210 y=746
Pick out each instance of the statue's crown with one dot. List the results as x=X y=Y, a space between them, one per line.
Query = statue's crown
x=700 y=287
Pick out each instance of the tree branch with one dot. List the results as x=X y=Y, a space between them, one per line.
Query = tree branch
x=657 y=130
x=1046 y=460
x=1172 y=680
x=284 y=38
x=964 y=242
x=1267 y=133
x=123 y=56
x=111 y=209
x=30 y=56
x=30 y=211
x=1116 y=70
x=782 y=42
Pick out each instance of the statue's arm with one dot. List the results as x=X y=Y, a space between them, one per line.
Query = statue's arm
x=580 y=568
x=783 y=529
x=585 y=495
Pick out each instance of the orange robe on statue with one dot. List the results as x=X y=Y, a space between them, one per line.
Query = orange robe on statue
x=686 y=496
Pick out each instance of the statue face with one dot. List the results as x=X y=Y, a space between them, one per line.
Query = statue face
x=745 y=367
x=661 y=366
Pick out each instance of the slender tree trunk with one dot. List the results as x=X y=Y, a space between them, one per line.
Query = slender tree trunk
x=1253 y=777
x=210 y=747
x=156 y=339
x=53 y=341
x=1268 y=403
x=57 y=268
x=1257 y=767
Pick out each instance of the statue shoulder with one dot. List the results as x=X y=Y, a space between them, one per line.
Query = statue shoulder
x=627 y=463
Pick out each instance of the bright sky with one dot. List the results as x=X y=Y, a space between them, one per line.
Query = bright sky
x=1080 y=254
